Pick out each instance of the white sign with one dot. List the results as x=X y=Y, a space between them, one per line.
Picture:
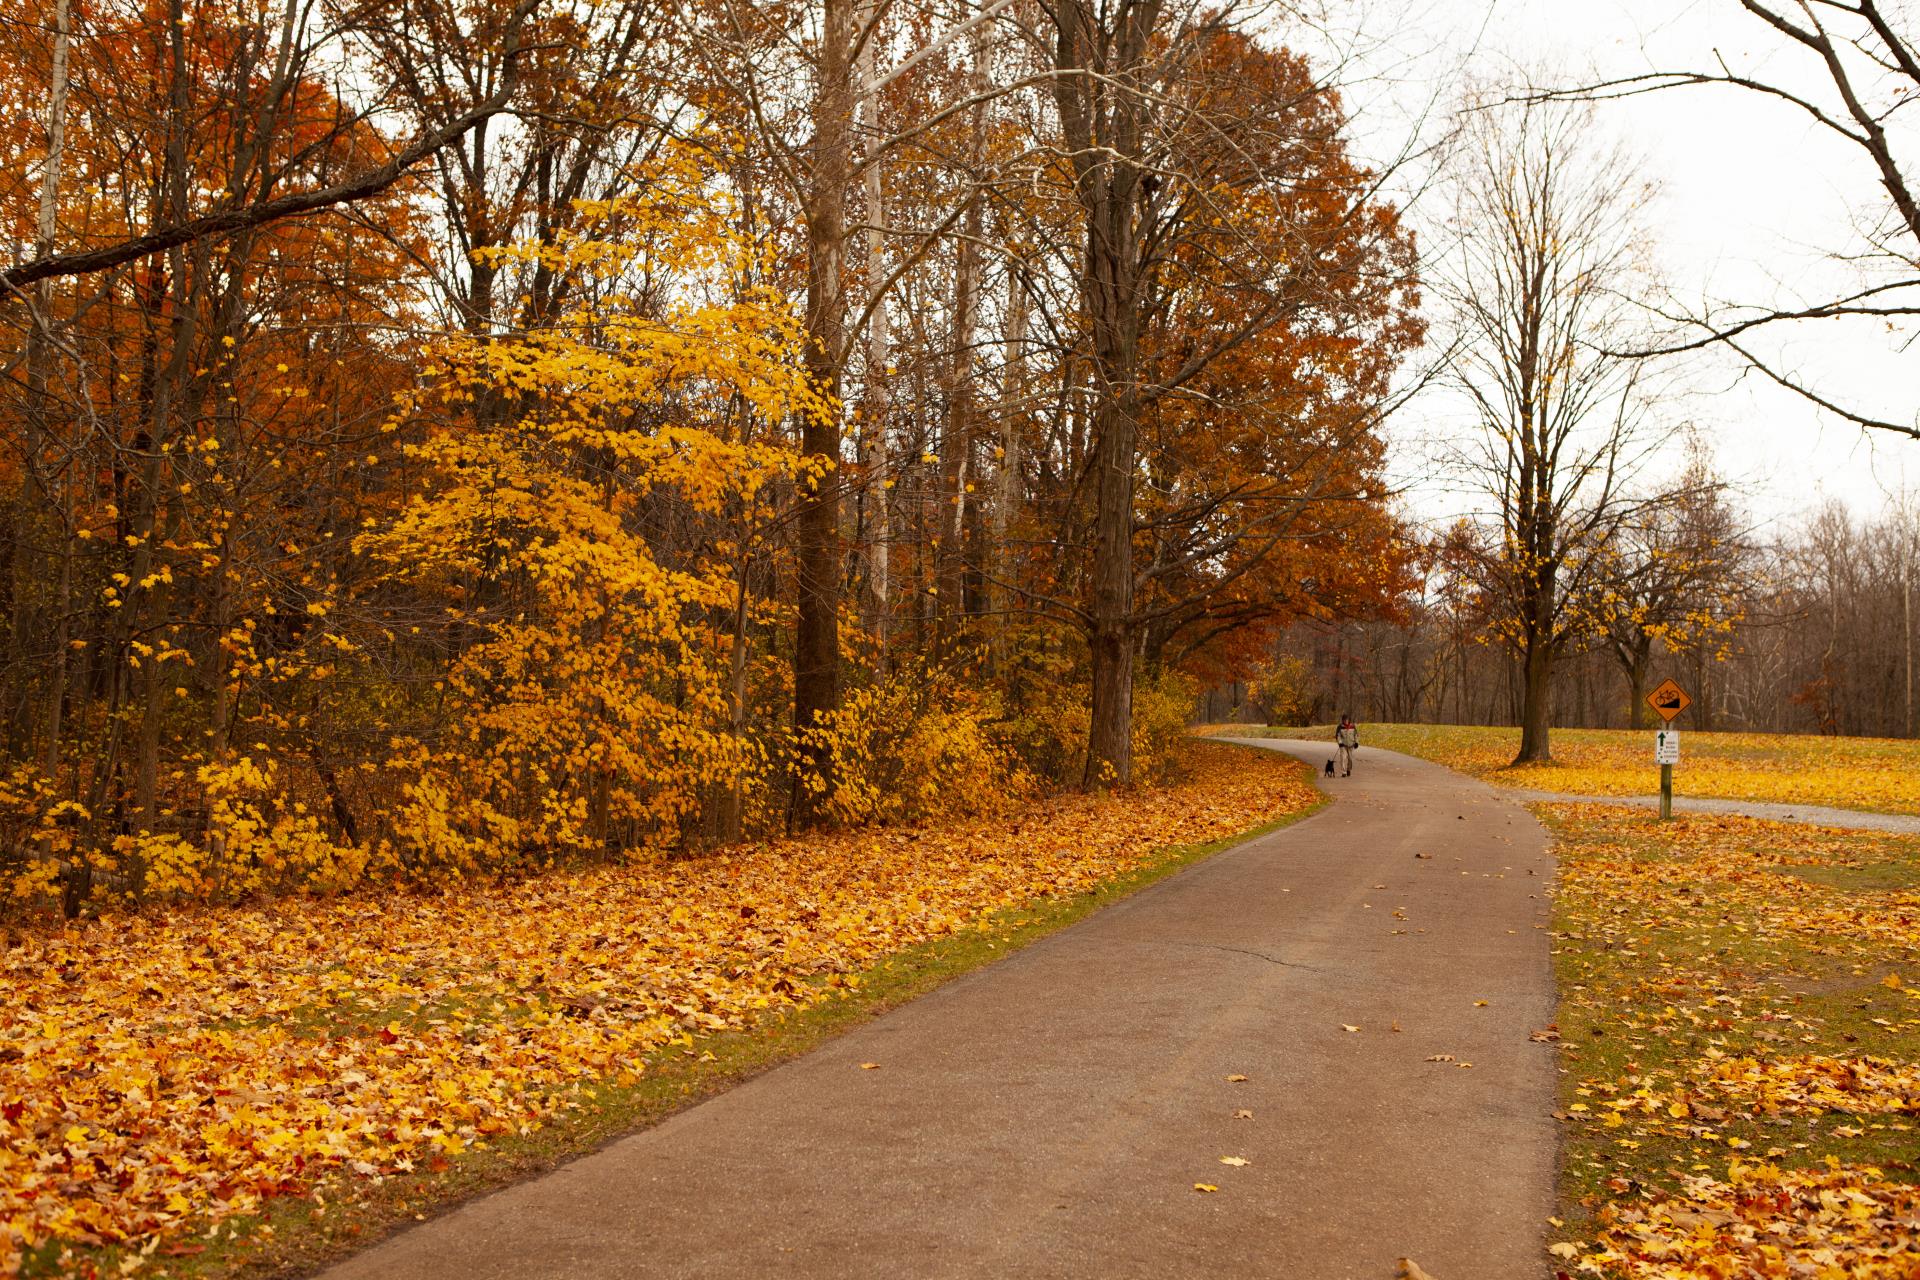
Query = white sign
x=1666 y=747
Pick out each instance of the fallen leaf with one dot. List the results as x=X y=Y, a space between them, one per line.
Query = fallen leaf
x=1236 y=1161
x=1243 y=1114
x=1348 y=1026
x=1479 y=1004
x=869 y=1066
x=1441 y=1057
x=1236 y=1079
x=655 y=955
x=1411 y=1270
x=1204 y=1186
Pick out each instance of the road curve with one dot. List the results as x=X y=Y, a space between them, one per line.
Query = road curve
x=1050 y=1115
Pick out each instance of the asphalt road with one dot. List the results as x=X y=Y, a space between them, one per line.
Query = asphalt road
x=1050 y=1115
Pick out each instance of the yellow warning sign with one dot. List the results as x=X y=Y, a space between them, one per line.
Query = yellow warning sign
x=1669 y=700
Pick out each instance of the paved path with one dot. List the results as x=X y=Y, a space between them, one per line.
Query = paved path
x=1050 y=1115
x=1812 y=814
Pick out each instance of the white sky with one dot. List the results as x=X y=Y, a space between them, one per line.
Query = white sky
x=1753 y=198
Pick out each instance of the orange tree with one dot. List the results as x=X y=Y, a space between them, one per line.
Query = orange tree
x=1245 y=297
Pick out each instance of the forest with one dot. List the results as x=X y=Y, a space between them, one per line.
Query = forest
x=1806 y=627
x=450 y=436
x=469 y=434
x=556 y=555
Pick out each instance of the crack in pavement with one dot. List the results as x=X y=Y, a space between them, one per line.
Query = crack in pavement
x=1243 y=951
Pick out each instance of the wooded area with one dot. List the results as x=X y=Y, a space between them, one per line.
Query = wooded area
x=456 y=435
x=451 y=434
x=1804 y=629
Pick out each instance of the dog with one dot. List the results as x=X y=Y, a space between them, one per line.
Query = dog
x=1329 y=768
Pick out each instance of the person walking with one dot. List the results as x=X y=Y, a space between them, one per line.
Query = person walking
x=1347 y=738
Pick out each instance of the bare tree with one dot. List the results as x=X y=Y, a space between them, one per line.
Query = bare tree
x=1549 y=252
x=1853 y=70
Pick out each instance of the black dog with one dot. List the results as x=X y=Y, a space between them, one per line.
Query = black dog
x=1329 y=768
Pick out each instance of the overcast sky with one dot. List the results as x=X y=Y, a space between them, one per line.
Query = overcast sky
x=1752 y=201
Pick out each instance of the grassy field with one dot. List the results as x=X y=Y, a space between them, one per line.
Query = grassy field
x=251 y=1091
x=1877 y=774
x=1740 y=1024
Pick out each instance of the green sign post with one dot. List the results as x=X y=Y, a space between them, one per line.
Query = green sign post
x=1669 y=700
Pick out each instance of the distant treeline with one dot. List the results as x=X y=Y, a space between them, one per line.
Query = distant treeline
x=1823 y=643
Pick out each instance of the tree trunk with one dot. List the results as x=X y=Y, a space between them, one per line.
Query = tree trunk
x=1536 y=707
x=1105 y=131
x=816 y=646
x=150 y=523
x=957 y=454
x=728 y=822
x=1637 y=691
x=1110 y=638
x=37 y=526
x=879 y=355
x=1013 y=396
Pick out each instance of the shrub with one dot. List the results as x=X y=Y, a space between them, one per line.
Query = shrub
x=913 y=747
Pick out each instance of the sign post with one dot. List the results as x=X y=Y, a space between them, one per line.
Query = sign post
x=1669 y=700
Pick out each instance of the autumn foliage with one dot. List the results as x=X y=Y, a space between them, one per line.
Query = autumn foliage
x=472 y=526
x=167 y=1071
x=1742 y=1047
x=422 y=612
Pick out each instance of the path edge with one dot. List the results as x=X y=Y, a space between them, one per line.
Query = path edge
x=613 y=1112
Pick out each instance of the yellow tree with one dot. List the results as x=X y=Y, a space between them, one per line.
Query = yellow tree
x=587 y=701
x=1673 y=580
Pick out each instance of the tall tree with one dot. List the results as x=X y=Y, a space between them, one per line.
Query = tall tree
x=1220 y=216
x=1549 y=257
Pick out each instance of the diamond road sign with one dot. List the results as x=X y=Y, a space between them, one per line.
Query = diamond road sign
x=1669 y=700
